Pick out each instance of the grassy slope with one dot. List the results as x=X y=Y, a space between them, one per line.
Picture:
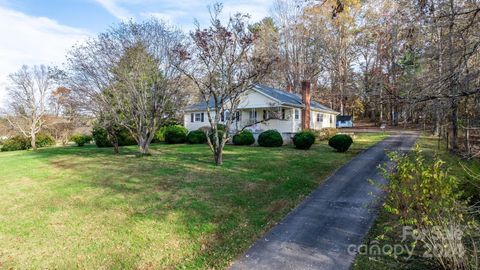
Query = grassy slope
x=430 y=148
x=86 y=208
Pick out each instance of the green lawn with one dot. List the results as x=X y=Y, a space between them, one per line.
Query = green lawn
x=469 y=186
x=67 y=208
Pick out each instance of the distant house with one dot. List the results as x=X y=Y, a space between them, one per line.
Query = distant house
x=263 y=108
x=344 y=121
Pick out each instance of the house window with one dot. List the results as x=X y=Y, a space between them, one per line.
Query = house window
x=297 y=114
x=319 y=117
x=265 y=114
x=283 y=114
x=253 y=116
x=331 y=119
x=198 y=117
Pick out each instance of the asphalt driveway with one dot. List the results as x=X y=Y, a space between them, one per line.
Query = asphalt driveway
x=317 y=234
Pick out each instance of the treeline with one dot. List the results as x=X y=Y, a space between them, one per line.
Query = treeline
x=396 y=62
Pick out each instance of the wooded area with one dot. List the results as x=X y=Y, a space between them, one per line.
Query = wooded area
x=404 y=63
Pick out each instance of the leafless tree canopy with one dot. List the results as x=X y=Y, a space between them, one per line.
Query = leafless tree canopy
x=28 y=95
x=222 y=64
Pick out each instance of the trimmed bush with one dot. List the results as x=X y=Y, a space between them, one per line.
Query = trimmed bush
x=270 y=138
x=304 y=140
x=196 y=137
x=244 y=138
x=16 y=143
x=340 y=142
x=176 y=134
x=44 y=140
x=100 y=136
x=81 y=139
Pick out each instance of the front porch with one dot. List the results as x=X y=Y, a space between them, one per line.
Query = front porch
x=257 y=120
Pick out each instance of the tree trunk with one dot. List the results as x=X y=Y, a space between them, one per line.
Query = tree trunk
x=116 y=148
x=33 y=141
x=216 y=145
x=114 y=139
x=437 y=119
x=143 y=145
x=218 y=155
x=454 y=140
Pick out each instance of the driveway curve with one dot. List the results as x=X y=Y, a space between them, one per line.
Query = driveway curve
x=339 y=213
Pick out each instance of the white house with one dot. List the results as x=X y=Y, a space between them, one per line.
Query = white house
x=263 y=108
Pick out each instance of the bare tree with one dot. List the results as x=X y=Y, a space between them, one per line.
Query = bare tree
x=28 y=94
x=222 y=64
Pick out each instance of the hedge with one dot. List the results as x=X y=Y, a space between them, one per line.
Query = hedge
x=23 y=143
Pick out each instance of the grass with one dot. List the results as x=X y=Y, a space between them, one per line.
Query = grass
x=469 y=187
x=77 y=208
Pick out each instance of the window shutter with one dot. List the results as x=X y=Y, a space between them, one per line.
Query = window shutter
x=203 y=117
x=192 y=117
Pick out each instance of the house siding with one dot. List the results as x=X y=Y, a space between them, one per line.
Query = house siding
x=257 y=101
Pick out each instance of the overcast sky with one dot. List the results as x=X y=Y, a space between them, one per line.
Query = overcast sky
x=40 y=32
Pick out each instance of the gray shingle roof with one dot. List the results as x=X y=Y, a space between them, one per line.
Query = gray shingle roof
x=285 y=98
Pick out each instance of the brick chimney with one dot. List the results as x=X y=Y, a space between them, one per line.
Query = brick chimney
x=306 y=101
x=289 y=88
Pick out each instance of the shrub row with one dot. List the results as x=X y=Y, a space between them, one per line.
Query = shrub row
x=23 y=143
x=178 y=134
